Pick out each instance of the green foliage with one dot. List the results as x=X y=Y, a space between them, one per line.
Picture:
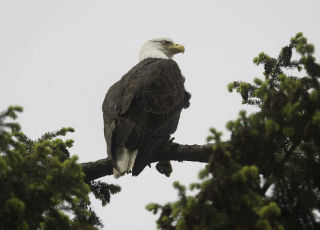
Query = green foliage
x=42 y=187
x=103 y=191
x=267 y=175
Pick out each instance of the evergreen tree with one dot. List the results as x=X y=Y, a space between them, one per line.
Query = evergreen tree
x=41 y=186
x=267 y=176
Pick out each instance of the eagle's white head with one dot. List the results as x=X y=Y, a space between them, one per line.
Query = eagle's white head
x=159 y=48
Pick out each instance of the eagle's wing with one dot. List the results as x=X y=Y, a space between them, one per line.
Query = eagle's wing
x=143 y=109
x=114 y=105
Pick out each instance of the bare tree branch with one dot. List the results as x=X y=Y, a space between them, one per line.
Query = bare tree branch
x=169 y=152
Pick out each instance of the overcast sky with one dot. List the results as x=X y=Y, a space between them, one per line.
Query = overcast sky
x=58 y=59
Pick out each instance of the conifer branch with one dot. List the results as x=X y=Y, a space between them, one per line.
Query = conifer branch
x=272 y=179
x=169 y=152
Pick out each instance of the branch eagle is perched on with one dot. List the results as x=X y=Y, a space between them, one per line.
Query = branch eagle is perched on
x=143 y=108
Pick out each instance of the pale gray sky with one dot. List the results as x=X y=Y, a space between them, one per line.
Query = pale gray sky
x=58 y=59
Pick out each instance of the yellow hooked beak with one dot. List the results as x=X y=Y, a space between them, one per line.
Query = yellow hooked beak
x=176 y=48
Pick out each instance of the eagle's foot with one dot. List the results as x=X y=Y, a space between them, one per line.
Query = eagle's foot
x=164 y=167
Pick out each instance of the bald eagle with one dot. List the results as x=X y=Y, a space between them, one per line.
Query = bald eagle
x=143 y=108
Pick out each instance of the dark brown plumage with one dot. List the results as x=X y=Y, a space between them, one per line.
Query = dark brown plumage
x=142 y=109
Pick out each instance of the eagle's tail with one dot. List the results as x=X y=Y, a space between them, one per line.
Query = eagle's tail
x=146 y=153
x=124 y=161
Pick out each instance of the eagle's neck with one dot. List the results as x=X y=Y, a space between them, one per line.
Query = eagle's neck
x=152 y=54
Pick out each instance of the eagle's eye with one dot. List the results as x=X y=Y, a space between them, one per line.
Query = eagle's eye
x=166 y=43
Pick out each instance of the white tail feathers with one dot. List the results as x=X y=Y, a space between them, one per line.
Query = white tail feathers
x=124 y=162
